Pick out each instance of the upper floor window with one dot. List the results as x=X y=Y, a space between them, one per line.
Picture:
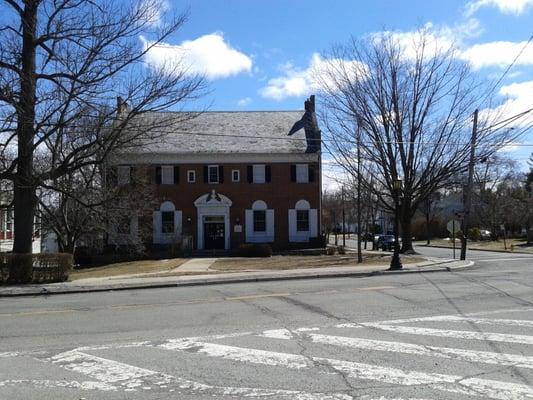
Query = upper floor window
x=191 y=176
x=167 y=175
x=123 y=174
x=213 y=175
x=302 y=173
x=259 y=173
x=235 y=175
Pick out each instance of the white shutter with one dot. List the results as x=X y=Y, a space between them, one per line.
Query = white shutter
x=313 y=223
x=292 y=225
x=177 y=222
x=270 y=225
x=249 y=224
x=157 y=226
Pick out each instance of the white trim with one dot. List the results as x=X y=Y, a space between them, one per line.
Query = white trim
x=266 y=236
x=213 y=207
x=302 y=236
x=193 y=180
x=238 y=171
x=222 y=158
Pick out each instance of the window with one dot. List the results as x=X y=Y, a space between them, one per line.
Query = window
x=302 y=220
x=191 y=176
x=212 y=174
x=259 y=221
x=167 y=174
x=302 y=173
x=167 y=221
x=123 y=175
x=235 y=175
x=259 y=173
x=124 y=225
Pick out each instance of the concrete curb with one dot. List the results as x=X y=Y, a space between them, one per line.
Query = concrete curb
x=51 y=289
x=489 y=250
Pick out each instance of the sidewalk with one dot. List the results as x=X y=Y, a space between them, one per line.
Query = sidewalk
x=202 y=265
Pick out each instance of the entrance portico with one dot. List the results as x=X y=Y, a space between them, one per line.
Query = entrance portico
x=213 y=221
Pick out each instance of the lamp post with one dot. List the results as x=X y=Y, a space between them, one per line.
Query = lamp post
x=395 y=262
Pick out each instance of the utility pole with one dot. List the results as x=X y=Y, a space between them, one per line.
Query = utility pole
x=468 y=189
x=359 y=255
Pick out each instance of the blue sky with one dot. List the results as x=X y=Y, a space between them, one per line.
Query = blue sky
x=257 y=53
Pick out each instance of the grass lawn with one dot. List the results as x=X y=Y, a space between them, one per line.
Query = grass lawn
x=295 y=262
x=511 y=244
x=127 y=268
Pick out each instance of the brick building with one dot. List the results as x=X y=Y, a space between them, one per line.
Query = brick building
x=223 y=179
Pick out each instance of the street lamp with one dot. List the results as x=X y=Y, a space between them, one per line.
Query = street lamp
x=395 y=263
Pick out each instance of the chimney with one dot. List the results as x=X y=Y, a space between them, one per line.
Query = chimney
x=122 y=106
x=310 y=104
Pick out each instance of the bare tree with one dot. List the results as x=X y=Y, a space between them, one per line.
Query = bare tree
x=62 y=65
x=413 y=104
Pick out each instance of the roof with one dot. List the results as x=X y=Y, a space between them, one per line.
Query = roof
x=228 y=132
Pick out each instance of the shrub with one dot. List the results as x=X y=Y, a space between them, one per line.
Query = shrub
x=341 y=250
x=43 y=267
x=330 y=250
x=52 y=267
x=474 y=234
x=255 y=250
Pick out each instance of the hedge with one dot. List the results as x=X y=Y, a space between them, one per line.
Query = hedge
x=35 y=268
x=255 y=250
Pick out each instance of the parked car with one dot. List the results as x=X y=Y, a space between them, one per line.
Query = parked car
x=385 y=242
x=485 y=234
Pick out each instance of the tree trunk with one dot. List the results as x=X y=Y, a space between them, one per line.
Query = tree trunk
x=406 y=217
x=24 y=187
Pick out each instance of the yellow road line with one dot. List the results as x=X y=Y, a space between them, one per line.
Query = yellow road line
x=258 y=296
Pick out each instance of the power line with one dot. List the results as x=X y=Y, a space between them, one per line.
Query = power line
x=508 y=68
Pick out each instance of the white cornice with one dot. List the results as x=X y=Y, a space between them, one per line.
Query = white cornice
x=221 y=158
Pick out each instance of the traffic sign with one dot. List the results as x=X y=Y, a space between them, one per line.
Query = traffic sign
x=453 y=226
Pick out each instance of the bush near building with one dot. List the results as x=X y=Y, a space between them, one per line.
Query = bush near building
x=35 y=268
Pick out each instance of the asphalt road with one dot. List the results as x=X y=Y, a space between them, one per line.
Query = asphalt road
x=446 y=335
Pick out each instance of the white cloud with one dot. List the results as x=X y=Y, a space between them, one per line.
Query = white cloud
x=244 y=102
x=515 y=7
x=300 y=82
x=209 y=55
x=498 y=54
x=518 y=100
x=435 y=38
x=154 y=10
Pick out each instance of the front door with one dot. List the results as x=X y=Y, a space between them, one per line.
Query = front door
x=214 y=235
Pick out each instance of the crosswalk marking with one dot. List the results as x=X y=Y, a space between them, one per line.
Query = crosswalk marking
x=485 y=357
x=490 y=336
x=113 y=373
x=105 y=374
x=458 y=318
x=455 y=384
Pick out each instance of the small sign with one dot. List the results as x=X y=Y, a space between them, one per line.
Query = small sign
x=237 y=228
x=453 y=226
